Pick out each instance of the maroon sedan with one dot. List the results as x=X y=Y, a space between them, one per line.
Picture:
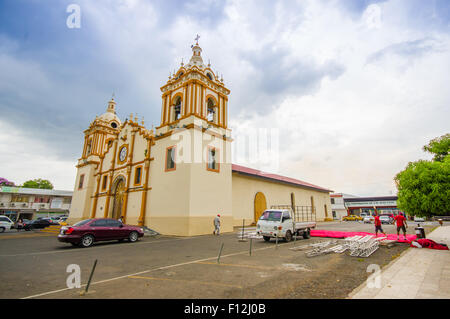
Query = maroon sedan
x=88 y=231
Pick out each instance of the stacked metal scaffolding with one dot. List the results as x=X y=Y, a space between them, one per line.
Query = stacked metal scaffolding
x=359 y=246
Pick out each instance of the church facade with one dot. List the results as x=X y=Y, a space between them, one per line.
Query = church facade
x=177 y=177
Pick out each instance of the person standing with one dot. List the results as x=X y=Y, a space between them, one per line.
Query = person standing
x=377 y=223
x=19 y=224
x=217 y=225
x=401 y=224
x=121 y=219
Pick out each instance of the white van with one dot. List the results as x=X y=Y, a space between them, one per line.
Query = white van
x=283 y=223
x=5 y=223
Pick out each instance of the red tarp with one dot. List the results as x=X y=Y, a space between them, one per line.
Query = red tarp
x=428 y=243
x=345 y=234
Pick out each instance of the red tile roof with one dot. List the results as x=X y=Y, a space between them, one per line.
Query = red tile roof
x=274 y=177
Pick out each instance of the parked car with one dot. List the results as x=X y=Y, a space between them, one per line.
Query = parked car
x=5 y=223
x=52 y=220
x=386 y=219
x=419 y=219
x=368 y=219
x=88 y=231
x=352 y=217
x=37 y=224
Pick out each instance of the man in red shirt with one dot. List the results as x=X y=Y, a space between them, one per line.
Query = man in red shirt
x=377 y=223
x=401 y=224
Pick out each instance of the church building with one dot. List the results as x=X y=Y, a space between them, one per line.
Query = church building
x=177 y=177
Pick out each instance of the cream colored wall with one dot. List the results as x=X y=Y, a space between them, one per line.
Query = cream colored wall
x=211 y=191
x=169 y=197
x=133 y=207
x=245 y=189
x=140 y=145
x=185 y=201
x=81 y=200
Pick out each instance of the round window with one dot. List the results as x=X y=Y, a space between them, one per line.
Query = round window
x=114 y=125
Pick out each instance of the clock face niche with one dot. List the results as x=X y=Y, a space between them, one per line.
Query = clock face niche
x=123 y=153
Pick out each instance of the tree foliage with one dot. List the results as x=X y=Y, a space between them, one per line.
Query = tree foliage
x=424 y=186
x=38 y=183
x=439 y=146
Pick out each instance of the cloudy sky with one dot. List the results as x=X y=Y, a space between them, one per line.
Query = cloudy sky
x=353 y=89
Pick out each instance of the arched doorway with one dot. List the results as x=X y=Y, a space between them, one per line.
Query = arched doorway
x=119 y=192
x=260 y=205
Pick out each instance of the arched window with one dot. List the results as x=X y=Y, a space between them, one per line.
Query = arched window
x=89 y=146
x=209 y=76
x=210 y=115
x=177 y=109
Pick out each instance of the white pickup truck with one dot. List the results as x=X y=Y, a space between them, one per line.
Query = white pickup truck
x=283 y=223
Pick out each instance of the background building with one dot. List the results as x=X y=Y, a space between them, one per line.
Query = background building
x=338 y=207
x=31 y=203
x=384 y=205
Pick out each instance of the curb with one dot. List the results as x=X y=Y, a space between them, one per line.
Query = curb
x=360 y=287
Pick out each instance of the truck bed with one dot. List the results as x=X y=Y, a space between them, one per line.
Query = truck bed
x=304 y=225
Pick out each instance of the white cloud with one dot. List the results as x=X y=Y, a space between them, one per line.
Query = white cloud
x=24 y=158
x=357 y=131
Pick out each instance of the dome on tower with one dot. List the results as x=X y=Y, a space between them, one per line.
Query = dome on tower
x=110 y=116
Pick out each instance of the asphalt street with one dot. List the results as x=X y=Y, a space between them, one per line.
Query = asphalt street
x=33 y=264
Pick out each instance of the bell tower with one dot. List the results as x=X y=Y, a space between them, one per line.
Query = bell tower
x=192 y=167
x=98 y=139
x=195 y=90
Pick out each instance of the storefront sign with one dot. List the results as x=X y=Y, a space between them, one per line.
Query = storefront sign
x=372 y=203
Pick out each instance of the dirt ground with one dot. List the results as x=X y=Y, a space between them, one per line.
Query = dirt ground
x=331 y=276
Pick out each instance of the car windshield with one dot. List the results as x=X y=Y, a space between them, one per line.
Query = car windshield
x=271 y=216
x=83 y=222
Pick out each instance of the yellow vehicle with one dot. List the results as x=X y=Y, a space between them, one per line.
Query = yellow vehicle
x=63 y=221
x=352 y=217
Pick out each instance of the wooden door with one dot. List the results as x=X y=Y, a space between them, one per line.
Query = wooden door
x=260 y=205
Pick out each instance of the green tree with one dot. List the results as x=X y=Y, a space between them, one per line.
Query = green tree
x=38 y=183
x=424 y=186
x=439 y=146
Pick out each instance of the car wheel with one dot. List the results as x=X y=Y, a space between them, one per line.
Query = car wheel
x=266 y=238
x=306 y=234
x=288 y=237
x=87 y=240
x=133 y=237
x=2 y=229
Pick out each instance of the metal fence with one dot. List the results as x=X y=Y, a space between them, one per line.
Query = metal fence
x=301 y=213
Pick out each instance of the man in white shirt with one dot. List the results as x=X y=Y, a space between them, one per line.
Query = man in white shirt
x=217 y=225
